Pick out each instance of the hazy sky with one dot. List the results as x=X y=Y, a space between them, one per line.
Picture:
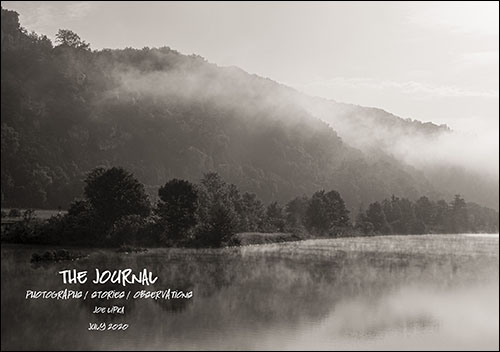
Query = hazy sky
x=429 y=61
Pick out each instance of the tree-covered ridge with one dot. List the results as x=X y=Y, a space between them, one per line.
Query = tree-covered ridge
x=67 y=109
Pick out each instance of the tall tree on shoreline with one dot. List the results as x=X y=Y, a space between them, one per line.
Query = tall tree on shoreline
x=114 y=193
x=177 y=207
x=326 y=211
x=459 y=218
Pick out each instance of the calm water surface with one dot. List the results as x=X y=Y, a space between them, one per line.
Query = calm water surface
x=408 y=292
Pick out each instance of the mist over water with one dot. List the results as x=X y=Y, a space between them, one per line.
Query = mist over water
x=379 y=293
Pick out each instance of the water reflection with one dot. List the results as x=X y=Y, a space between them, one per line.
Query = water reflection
x=370 y=293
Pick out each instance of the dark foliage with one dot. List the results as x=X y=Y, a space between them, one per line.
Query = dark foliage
x=217 y=228
x=402 y=216
x=274 y=219
x=211 y=213
x=114 y=193
x=325 y=212
x=177 y=207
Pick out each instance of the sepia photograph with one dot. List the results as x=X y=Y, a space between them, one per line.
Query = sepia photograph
x=249 y=175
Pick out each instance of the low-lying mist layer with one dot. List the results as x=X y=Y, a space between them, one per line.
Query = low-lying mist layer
x=453 y=161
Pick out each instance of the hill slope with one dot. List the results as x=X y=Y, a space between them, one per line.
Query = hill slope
x=161 y=114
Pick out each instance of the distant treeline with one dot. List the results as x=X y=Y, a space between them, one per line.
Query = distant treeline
x=116 y=211
x=402 y=216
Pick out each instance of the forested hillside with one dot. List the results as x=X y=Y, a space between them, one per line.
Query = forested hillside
x=67 y=109
x=451 y=161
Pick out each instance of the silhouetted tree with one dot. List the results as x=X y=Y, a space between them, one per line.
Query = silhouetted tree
x=177 y=207
x=275 y=220
x=443 y=217
x=218 y=227
x=459 y=218
x=114 y=193
x=326 y=211
x=362 y=222
x=389 y=213
x=216 y=213
x=425 y=210
x=252 y=215
x=375 y=215
x=127 y=230
x=66 y=37
x=211 y=189
x=408 y=218
x=295 y=211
